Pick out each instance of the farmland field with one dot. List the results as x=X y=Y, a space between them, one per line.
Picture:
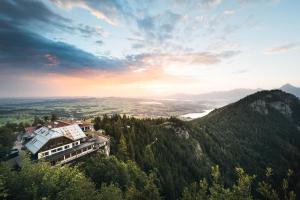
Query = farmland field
x=23 y=110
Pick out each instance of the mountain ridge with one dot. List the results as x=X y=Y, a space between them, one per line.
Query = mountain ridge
x=291 y=89
x=259 y=131
x=230 y=96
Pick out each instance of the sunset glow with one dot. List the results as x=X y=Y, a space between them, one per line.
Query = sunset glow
x=146 y=48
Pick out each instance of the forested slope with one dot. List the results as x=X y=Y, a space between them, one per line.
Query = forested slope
x=172 y=159
x=259 y=131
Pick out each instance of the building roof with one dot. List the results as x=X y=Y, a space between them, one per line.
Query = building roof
x=62 y=123
x=44 y=134
x=101 y=139
x=57 y=124
x=73 y=131
x=29 y=130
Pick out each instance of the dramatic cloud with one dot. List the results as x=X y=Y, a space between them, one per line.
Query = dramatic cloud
x=106 y=10
x=159 y=27
x=28 y=13
x=25 y=50
x=22 y=11
x=89 y=47
x=31 y=15
x=282 y=49
x=187 y=59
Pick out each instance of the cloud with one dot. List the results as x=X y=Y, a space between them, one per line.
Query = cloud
x=138 y=46
x=23 y=12
x=257 y=1
x=100 y=42
x=159 y=27
x=89 y=31
x=229 y=12
x=282 y=49
x=211 y=3
x=24 y=50
x=241 y=71
x=34 y=15
x=109 y=11
x=185 y=59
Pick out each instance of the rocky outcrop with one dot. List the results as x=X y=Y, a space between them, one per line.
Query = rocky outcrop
x=260 y=106
x=181 y=132
x=198 y=151
x=282 y=107
x=271 y=101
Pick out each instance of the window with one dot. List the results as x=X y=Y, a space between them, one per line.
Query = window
x=53 y=151
x=59 y=149
x=75 y=143
x=78 y=152
x=67 y=146
x=46 y=153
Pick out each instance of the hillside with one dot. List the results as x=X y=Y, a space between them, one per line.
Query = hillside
x=259 y=131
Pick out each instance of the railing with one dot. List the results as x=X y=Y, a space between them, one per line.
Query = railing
x=76 y=156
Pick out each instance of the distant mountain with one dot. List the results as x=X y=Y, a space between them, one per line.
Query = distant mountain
x=291 y=89
x=223 y=97
x=230 y=96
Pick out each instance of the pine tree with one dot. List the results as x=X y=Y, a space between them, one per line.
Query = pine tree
x=122 y=148
x=110 y=192
x=150 y=191
x=97 y=123
x=3 y=190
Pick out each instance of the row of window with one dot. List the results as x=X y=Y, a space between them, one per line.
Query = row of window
x=59 y=149
x=66 y=156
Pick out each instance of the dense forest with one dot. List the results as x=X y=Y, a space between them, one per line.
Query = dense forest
x=246 y=150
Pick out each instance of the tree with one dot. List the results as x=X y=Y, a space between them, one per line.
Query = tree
x=3 y=190
x=122 y=148
x=197 y=191
x=46 y=118
x=150 y=190
x=37 y=121
x=132 y=193
x=110 y=192
x=97 y=123
x=149 y=158
x=242 y=189
x=54 y=117
x=40 y=180
x=7 y=138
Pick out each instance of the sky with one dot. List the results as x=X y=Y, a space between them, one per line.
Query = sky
x=141 y=48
